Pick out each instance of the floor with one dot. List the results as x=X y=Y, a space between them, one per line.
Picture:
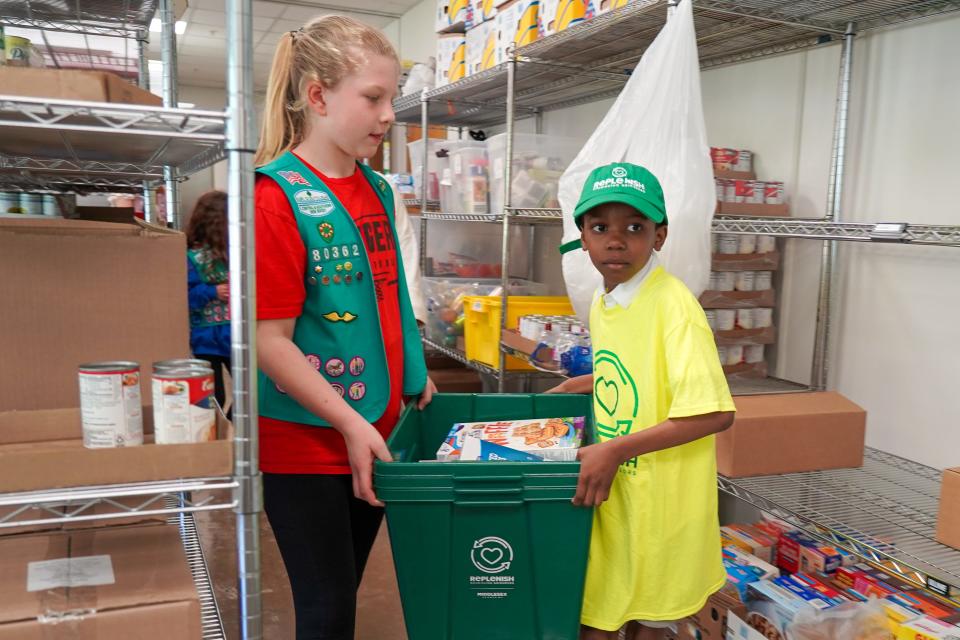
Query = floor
x=379 y=615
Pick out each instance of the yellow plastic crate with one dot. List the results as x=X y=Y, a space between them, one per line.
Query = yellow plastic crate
x=482 y=324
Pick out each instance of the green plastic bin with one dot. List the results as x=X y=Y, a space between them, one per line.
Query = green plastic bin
x=485 y=550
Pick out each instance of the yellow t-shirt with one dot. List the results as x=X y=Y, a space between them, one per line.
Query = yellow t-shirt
x=655 y=553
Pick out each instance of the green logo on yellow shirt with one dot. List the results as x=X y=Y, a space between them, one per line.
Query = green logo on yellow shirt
x=616 y=395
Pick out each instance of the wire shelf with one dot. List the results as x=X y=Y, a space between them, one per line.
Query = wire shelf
x=519 y=216
x=211 y=624
x=593 y=60
x=140 y=137
x=885 y=511
x=121 y=18
x=62 y=506
x=941 y=235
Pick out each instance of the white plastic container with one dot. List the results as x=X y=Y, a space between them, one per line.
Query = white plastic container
x=538 y=163
x=435 y=166
x=468 y=178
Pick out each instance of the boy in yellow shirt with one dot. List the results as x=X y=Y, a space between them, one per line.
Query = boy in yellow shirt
x=659 y=398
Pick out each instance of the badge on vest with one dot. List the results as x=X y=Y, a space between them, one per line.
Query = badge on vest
x=293 y=177
x=326 y=231
x=313 y=203
x=335 y=316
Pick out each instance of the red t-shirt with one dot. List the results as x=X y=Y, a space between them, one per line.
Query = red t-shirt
x=289 y=447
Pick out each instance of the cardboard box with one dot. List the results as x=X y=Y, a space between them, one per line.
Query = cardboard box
x=481 y=47
x=72 y=84
x=746 y=370
x=75 y=292
x=746 y=261
x=711 y=621
x=948 y=522
x=132 y=578
x=790 y=433
x=516 y=26
x=737 y=629
x=457 y=381
x=927 y=629
x=481 y=11
x=751 y=209
x=729 y=174
x=452 y=15
x=559 y=15
x=118 y=215
x=451 y=58
x=766 y=335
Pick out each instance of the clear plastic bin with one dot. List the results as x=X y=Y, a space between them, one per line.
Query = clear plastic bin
x=538 y=163
x=445 y=298
x=464 y=184
x=435 y=166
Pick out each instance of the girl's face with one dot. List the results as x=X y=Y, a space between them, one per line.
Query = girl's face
x=356 y=115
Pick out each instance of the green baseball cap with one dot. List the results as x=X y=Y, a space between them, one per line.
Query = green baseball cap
x=622 y=182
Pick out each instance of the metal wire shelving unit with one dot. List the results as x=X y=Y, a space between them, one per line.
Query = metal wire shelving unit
x=884 y=512
x=594 y=59
x=61 y=146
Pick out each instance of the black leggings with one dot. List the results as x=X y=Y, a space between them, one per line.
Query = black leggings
x=219 y=389
x=325 y=535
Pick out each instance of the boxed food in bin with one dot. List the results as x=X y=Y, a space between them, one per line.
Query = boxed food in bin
x=538 y=163
x=482 y=325
x=445 y=302
x=485 y=549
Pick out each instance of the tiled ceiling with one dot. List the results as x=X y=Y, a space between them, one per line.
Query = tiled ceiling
x=202 y=48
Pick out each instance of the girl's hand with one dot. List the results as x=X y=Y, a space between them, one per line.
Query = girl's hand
x=223 y=292
x=427 y=396
x=364 y=445
x=598 y=467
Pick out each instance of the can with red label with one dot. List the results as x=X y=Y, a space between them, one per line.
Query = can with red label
x=720 y=186
x=183 y=404
x=111 y=410
x=757 y=194
x=743 y=190
x=773 y=193
x=744 y=161
x=180 y=363
x=723 y=159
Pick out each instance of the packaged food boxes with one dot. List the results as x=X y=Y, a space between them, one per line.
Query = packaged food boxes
x=554 y=439
x=451 y=58
x=516 y=26
x=538 y=162
x=452 y=15
x=948 y=522
x=482 y=11
x=926 y=628
x=481 y=47
x=557 y=15
x=605 y=6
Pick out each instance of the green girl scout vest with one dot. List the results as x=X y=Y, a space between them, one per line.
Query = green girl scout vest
x=339 y=330
x=211 y=272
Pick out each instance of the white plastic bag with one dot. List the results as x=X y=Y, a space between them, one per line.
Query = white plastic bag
x=422 y=76
x=656 y=122
x=850 y=621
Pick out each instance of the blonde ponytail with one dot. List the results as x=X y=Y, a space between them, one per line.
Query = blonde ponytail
x=324 y=50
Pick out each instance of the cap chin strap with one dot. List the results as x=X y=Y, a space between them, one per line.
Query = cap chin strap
x=567 y=247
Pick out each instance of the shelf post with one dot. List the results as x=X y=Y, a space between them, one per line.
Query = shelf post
x=240 y=151
x=170 y=100
x=424 y=173
x=507 y=203
x=143 y=81
x=826 y=302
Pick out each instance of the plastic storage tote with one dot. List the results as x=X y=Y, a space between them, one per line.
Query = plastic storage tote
x=463 y=185
x=485 y=550
x=538 y=163
x=481 y=329
x=435 y=166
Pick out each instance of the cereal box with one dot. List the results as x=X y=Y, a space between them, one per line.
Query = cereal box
x=555 y=439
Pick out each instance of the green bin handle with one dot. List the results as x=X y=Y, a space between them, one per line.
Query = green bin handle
x=489 y=503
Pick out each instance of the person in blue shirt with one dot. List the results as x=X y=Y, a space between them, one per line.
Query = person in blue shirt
x=208 y=285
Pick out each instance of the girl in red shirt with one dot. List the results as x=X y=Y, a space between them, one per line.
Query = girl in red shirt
x=329 y=102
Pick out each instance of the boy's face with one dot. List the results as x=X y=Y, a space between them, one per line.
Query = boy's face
x=620 y=241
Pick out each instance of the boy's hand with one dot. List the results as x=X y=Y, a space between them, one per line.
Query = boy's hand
x=598 y=467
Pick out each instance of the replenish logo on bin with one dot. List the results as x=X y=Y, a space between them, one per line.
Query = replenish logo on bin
x=493 y=556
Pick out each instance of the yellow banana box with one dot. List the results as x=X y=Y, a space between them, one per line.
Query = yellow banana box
x=452 y=15
x=481 y=47
x=517 y=26
x=451 y=58
x=559 y=15
x=482 y=11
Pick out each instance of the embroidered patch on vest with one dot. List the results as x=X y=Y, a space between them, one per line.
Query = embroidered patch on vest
x=314 y=361
x=326 y=231
x=358 y=390
x=335 y=367
x=338 y=388
x=335 y=316
x=313 y=203
x=357 y=365
x=293 y=177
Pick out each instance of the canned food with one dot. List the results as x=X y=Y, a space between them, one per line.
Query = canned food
x=714 y=242
x=766 y=244
x=743 y=190
x=17 y=51
x=763 y=281
x=179 y=363
x=753 y=353
x=726 y=280
x=730 y=190
x=746 y=280
x=734 y=355
x=31 y=203
x=748 y=244
x=762 y=317
x=719 y=186
x=744 y=161
x=723 y=159
x=722 y=354
x=745 y=318
x=9 y=202
x=50 y=206
x=773 y=193
x=726 y=319
x=711 y=315
x=183 y=405
x=757 y=194
x=111 y=411
x=729 y=244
